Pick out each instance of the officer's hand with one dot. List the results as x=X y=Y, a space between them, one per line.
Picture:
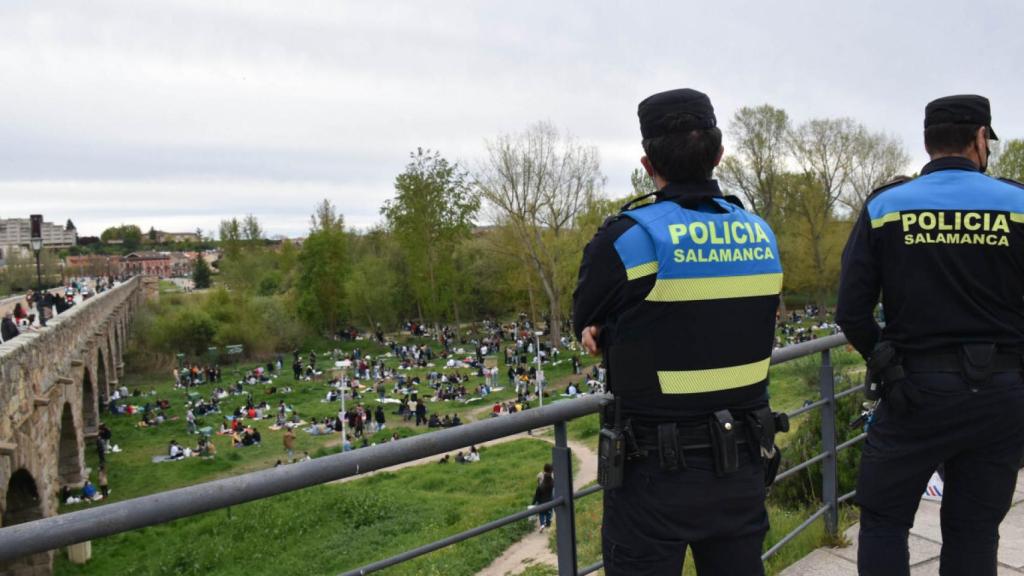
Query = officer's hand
x=590 y=339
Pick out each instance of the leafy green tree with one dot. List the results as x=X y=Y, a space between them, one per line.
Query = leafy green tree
x=373 y=287
x=201 y=273
x=252 y=231
x=323 y=268
x=1009 y=163
x=130 y=236
x=152 y=234
x=752 y=169
x=431 y=214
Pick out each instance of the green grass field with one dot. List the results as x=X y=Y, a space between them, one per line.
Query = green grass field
x=329 y=528
x=132 y=472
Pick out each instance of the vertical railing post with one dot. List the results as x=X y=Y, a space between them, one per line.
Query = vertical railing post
x=830 y=465
x=565 y=515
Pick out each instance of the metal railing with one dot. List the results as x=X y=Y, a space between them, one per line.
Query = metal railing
x=62 y=530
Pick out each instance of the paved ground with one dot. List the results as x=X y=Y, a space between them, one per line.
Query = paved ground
x=925 y=542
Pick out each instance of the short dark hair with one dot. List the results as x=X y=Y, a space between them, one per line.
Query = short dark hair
x=949 y=138
x=685 y=156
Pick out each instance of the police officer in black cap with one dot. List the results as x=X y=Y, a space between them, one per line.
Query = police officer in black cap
x=946 y=251
x=680 y=296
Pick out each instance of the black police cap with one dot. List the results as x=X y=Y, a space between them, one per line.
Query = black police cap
x=675 y=111
x=961 y=109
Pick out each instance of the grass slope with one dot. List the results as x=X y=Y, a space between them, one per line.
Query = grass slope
x=332 y=528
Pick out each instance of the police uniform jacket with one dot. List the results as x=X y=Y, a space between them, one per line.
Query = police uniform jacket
x=686 y=292
x=946 y=250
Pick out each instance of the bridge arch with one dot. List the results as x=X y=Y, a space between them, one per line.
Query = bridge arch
x=90 y=404
x=102 y=381
x=24 y=505
x=69 y=454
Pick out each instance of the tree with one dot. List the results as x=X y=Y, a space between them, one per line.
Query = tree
x=372 y=286
x=231 y=237
x=130 y=235
x=537 y=183
x=753 y=169
x=828 y=150
x=431 y=214
x=201 y=273
x=642 y=183
x=811 y=238
x=323 y=268
x=152 y=234
x=1009 y=161
x=879 y=159
x=252 y=231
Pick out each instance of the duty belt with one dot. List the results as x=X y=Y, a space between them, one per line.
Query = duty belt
x=693 y=437
x=951 y=362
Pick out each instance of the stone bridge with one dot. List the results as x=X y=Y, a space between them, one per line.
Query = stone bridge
x=51 y=383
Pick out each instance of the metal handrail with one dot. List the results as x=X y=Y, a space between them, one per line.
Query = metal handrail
x=54 y=532
x=62 y=530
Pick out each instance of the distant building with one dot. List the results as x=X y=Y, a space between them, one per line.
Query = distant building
x=16 y=233
x=159 y=264
x=93 y=265
x=146 y=264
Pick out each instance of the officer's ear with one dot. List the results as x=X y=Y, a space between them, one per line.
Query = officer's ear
x=648 y=167
x=721 y=151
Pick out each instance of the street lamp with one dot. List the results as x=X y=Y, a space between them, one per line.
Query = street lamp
x=36 y=241
x=540 y=371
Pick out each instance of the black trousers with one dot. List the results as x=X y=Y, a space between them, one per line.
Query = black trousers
x=651 y=520
x=979 y=435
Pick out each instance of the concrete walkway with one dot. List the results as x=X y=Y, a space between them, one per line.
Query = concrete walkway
x=925 y=542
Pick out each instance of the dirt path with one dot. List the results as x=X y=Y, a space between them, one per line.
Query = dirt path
x=431 y=459
x=533 y=549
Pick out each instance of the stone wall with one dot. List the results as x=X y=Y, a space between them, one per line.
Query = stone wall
x=50 y=386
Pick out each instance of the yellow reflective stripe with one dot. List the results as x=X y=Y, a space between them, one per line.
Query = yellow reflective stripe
x=645 y=269
x=890 y=217
x=1017 y=217
x=712 y=379
x=715 y=288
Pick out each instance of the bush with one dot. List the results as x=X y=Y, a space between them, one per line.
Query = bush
x=805 y=443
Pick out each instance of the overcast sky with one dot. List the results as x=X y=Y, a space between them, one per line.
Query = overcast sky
x=179 y=113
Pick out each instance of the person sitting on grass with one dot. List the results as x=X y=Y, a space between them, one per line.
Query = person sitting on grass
x=434 y=421
x=88 y=491
x=473 y=455
x=175 y=451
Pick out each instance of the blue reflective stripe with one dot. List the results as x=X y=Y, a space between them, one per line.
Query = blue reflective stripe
x=948 y=190
x=700 y=244
x=635 y=248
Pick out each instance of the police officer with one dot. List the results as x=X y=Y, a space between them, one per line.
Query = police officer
x=680 y=296
x=946 y=250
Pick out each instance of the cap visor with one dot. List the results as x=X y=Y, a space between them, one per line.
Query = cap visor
x=992 y=134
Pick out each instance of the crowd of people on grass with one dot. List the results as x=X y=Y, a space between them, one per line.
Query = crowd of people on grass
x=804 y=325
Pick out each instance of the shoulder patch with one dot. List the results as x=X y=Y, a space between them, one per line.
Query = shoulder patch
x=1013 y=182
x=894 y=182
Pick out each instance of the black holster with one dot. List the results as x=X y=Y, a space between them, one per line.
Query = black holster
x=762 y=425
x=976 y=361
x=611 y=447
x=724 y=449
